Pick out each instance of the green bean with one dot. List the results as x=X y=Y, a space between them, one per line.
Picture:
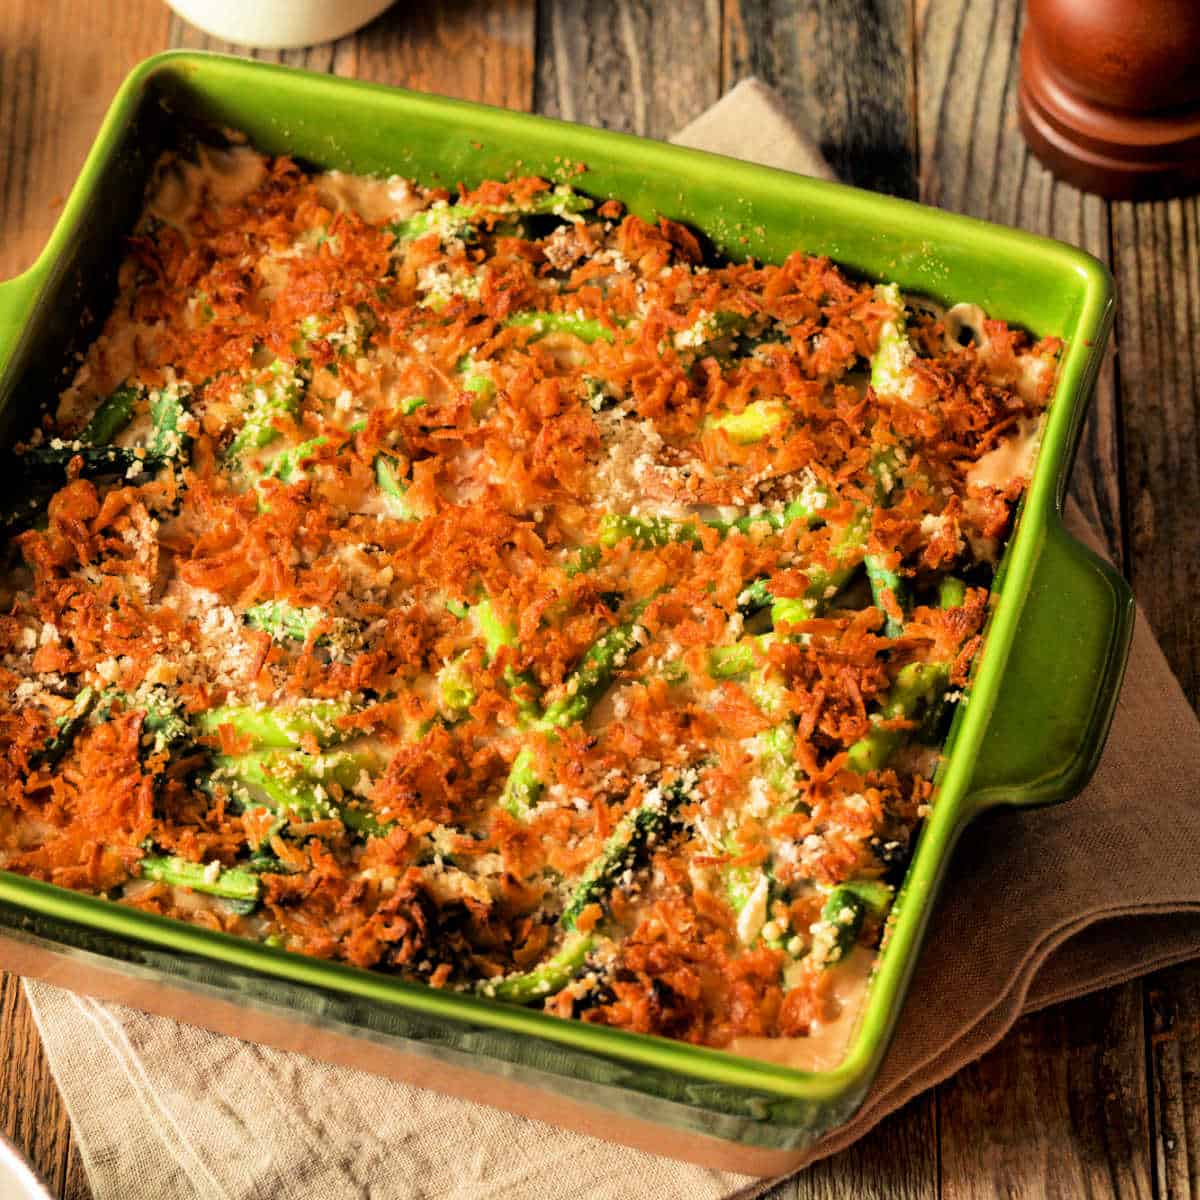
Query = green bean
x=286 y=622
x=735 y=660
x=842 y=918
x=755 y=422
x=289 y=781
x=586 y=329
x=162 y=721
x=645 y=532
x=884 y=579
x=916 y=688
x=626 y=848
x=717 y=335
x=582 y=560
x=458 y=220
x=594 y=674
x=95 y=461
x=394 y=489
x=279 y=728
x=952 y=592
x=891 y=364
x=523 y=785
x=807 y=507
x=229 y=883
x=285 y=464
x=455 y=690
x=167 y=414
x=113 y=414
x=632 y=839
x=496 y=634
x=546 y=978
x=69 y=726
x=279 y=399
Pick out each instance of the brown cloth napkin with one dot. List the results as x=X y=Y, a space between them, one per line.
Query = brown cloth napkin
x=1039 y=907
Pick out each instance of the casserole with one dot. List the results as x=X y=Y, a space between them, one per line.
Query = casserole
x=1016 y=743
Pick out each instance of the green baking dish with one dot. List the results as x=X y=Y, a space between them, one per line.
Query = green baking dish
x=1043 y=693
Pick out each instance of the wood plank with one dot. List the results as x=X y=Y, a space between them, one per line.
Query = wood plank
x=60 y=65
x=31 y=1110
x=1173 y=1002
x=895 y=1161
x=1059 y=1109
x=182 y=36
x=647 y=69
x=1156 y=249
x=846 y=70
x=478 y=51
x=471 y=50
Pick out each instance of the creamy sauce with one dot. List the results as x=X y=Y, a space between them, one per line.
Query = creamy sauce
x=223 y=176
x=1013 y=459
x=375 y=200
x=827 y=1043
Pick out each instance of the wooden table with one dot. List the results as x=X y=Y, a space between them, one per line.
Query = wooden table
x=1100 y=1097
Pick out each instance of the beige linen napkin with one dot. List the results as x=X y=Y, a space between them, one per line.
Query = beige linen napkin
x=1038 y=907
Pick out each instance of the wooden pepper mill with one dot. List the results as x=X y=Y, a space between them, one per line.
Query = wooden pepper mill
x=1110 y=94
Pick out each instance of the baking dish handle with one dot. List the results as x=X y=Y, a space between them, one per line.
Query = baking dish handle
x=16 y=303
x=1064 y=671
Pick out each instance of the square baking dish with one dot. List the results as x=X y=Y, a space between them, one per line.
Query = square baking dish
x=1039 y=707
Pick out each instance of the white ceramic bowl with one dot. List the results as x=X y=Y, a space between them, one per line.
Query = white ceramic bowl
x=278 y=24
x=17 y=1180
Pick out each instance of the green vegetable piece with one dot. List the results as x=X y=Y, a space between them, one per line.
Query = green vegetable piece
x=628 y=844
x=286 y=464
x=718 y=334
x=843 y=916
x=884 y=579
x=69 y=727
x=283 y=621
x=891 y=364
x=410 y=404
x=593 y=675
x=806 y=507
x=167 y=413
x=455 y=690
x=96 y=461
x=952 y=592
x=738 y=659
x=496 y=632
x=290 y=781
x=824 y=583
x=625 y=849
x=523 y=786
x=114 y=413
x=916 y=688
x=394 y=489
x=645 y=532
x=162 y=721
x=459 y=220
x=280 y=399
x=279 y=728
x=585 y=558
x=546 y=978
x=229 y=883
x=755 y=422
x=586 y=329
